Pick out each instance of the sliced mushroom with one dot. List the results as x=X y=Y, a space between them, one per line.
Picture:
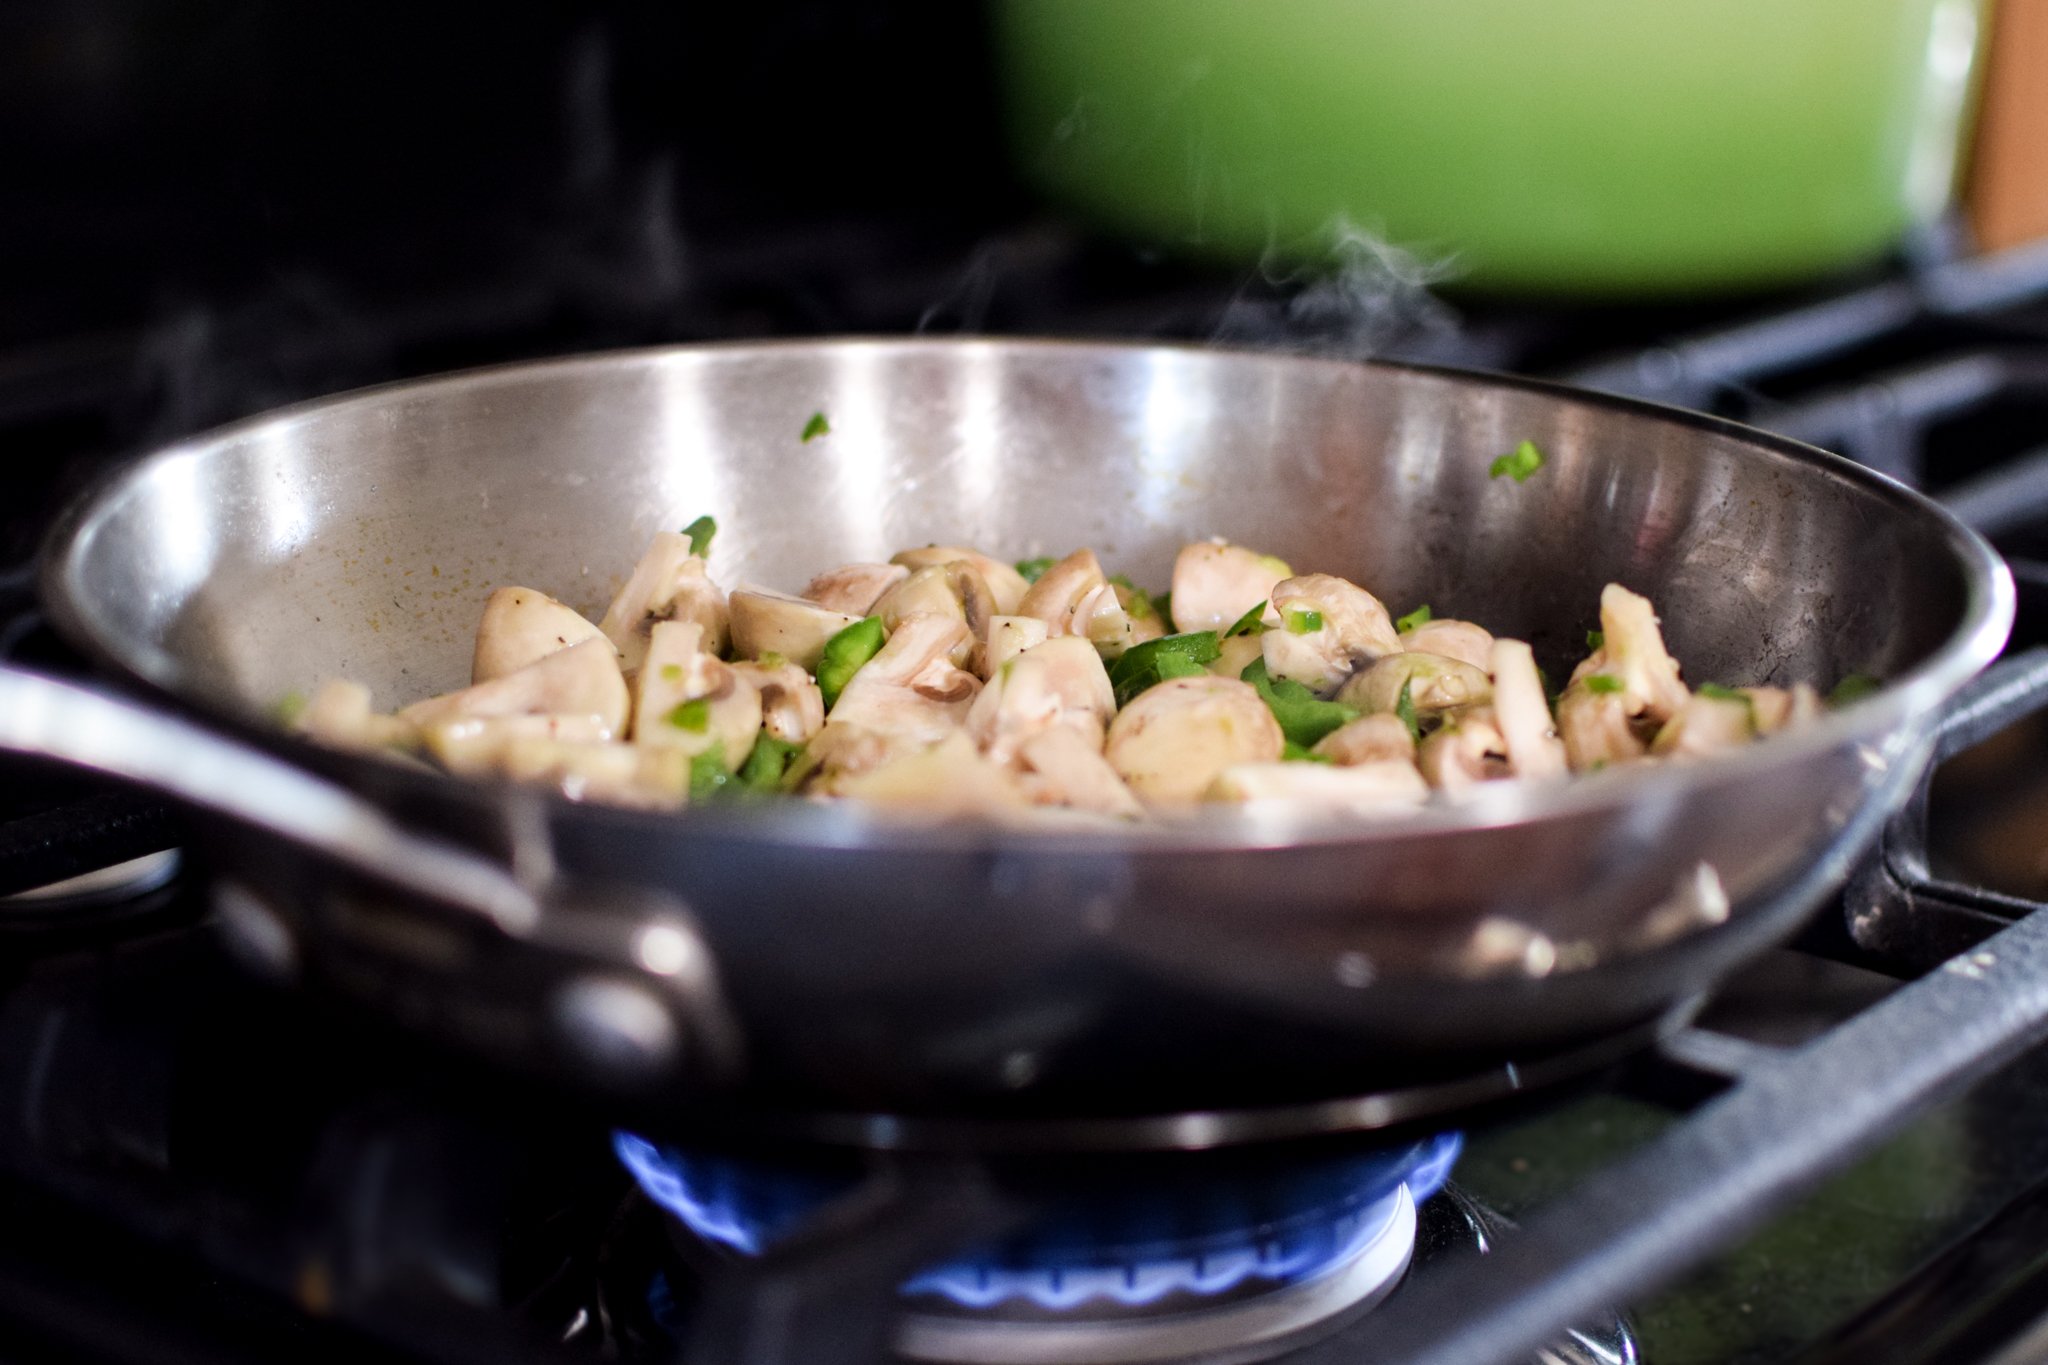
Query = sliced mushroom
x=1009 y=636
x=911 y=689
x=1632 y=652
x=1369 y=739
x=1005 y=584
x=1174 y=738
x=522 y=626
x=1779 y=708
x=580 y=680
x=1063 y=767
x=1597 y=729
x=1215 y=583
x=766 y=622
x=1059 y=683
x=1366 y=789
x=690 y=699
x=1460 y=640
x=1433 y=683
x=339 y=714
x=854 y=588
x=1322 y=629
x=1705 y=725
x=668 y=584
x=1143 y=611
x=1074 y=597
x=792 y=707
x=949 y=777
x=1468 y=749
x=1523 y=713
x=955 y=589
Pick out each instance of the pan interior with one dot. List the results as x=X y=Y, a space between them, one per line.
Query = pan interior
x=358 y=537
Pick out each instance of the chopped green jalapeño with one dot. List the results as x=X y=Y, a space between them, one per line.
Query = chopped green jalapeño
x=700 y=532
x=1602 y=682
x=1303 y=622
x=692 y=716
x=1304 y=717
x=1518 y=464
x=1853 y=688
x=1249 y=623
x=816 y=427
x=1421 y=616
x=1034 y=569
x=844 y=654
x=1170 y=656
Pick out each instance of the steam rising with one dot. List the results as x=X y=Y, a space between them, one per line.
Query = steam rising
x=1359 y=296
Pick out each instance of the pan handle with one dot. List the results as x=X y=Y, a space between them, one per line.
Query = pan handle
x=60 y=721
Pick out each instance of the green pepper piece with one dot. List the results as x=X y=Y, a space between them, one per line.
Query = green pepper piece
x=844 y=654
x=1170 y=656
x=1304 y=717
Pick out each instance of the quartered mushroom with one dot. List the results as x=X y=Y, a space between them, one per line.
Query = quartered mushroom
x=854 y=588
x=1466 y=750
x=1074 y=597
x=1173 y=739
x=1523 y=713
x=792 y=707
x=1632 y=652
x=1005 y=584
x=1059 y=683
x=1460 y=640
x=668 y=584
x=582 y=680
x=767 y=622
x=1365 y=789
x=1061 y=766
x=956 y=589
x=1706 y=725
x=1369 y=739
x=1596 y=726
x=690 y=699
x=911 y=690
x=1009 y=636
x=1321 y=629
x=339 y=715
x=1215 y=583
x=1431 y=682
x=522 y=626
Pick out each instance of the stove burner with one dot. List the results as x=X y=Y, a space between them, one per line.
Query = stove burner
x=1231 y=1265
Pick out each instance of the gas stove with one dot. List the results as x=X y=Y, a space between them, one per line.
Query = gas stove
x=1836 y=1159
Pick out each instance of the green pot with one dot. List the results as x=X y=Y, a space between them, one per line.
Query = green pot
x=1593 y=146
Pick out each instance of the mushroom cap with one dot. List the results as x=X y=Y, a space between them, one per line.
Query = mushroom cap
x=1597 y=729
x=953 y=589
x=1354 y=630
x=1006 y=586
x=1705 y=725
x=911 y=689
x=854 y=588
x=1215 y=583
x=769 y=622
x=1009 y=636
x=1173 y=739
x=1632 y=651
x=1061 y=766
x=1460 y=640
x=1469 y=748
x=522 y=626
x=1381 y=738
x=1058 y=683
x=1074 y=597
x=1435 y=682
x=947 y=778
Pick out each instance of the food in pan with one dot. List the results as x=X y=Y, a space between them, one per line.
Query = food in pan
x=953 y=682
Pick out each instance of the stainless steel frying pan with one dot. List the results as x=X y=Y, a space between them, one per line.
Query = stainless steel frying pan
x=850 y=976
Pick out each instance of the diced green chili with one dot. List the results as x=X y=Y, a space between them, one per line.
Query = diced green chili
x=1602 y=682
x=1421 y=616
x=1248 y=624
x=1518 y=464
x=1153 y=662
x=1034 y=569
x=1304 y=717
x=844 y=654
x=693 y=716
x=700 y=532
x=1304 y=622
x=1404 y=709
x=1853 y=688
x=816 y=427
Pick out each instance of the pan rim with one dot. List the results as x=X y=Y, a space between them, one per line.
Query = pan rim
x=1878 y=723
